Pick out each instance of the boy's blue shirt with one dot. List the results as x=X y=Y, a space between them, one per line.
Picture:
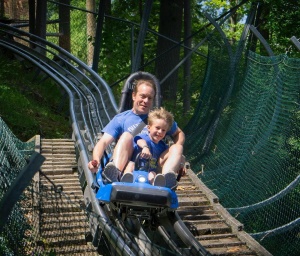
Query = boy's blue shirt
x=155 y=148
x=127 y=121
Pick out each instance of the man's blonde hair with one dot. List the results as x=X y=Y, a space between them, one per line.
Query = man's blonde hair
x=137 y=83
x=161 y=113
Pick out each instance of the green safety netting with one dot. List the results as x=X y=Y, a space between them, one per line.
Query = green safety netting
x=13 y=158
x=244 y=144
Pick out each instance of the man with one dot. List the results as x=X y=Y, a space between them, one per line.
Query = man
x=121 y=127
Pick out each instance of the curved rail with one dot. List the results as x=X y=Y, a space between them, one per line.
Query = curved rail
x=92 y=105
x=79 y=104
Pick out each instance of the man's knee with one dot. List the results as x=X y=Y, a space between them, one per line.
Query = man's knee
x=123 y=150
x=176 y=149
x=126 y=138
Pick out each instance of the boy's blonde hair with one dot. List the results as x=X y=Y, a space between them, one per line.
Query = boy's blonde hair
x=161 y=113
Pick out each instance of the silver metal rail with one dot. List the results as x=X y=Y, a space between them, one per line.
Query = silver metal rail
x=91 y=105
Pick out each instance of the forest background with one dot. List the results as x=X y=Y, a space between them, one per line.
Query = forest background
x=29 y=108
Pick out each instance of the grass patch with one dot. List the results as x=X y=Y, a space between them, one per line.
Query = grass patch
x=30 y=104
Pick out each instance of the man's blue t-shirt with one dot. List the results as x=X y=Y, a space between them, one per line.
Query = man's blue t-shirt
x=155 y=148
x=127 y=121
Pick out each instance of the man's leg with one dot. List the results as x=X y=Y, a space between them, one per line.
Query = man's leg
x=123 y=151
x=171 y=159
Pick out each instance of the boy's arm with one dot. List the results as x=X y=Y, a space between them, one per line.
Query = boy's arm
x=145 y=148
x=141 y=143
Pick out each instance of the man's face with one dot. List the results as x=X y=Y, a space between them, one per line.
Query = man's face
x=143 y=99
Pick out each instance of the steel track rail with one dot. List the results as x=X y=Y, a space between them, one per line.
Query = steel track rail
x=83 y=111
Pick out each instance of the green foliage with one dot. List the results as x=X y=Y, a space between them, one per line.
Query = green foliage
x=283 y=24
x=78 y=26
x=30 y=107
x=116 y=45
x=4 y=249
x=216 y=4
x=78 y=29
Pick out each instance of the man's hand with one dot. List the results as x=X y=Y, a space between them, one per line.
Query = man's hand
x=95 y=163
x=93 y=166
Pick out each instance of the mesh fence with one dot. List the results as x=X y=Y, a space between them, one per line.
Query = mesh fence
x=58 y=225
x=243 y=138
x=13 y=157
x=244 y=144
x=15 y=9
x=50 y=219
x=121 y=33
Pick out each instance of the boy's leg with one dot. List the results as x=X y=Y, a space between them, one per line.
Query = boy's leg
x=151 y=177
x=127 y=175
x=129 y=167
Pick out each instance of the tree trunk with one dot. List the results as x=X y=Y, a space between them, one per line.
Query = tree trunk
x=170 y=25
x=260 y=20
x=187 y=63
x=265 y=12
x=64 y=25
x=40 y=24
x=91 y=30
x=2 y=11
x=233 y=20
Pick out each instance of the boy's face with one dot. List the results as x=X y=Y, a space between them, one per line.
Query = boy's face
x=157 y=130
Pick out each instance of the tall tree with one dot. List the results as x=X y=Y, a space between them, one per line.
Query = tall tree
x=233 y=19
x=91 y=29
x=278 y=21
x=64 y=25
x=187 y=64
x=170 y=25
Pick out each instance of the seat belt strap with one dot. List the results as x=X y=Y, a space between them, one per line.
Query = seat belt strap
x=140 y=127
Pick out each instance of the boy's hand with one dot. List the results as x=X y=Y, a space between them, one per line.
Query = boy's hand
x=145 y=153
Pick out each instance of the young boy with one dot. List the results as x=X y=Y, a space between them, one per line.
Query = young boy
x=150 y=145
x=120 y=129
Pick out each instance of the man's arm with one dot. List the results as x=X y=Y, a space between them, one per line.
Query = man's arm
x=98 y=151
x=178 y=137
